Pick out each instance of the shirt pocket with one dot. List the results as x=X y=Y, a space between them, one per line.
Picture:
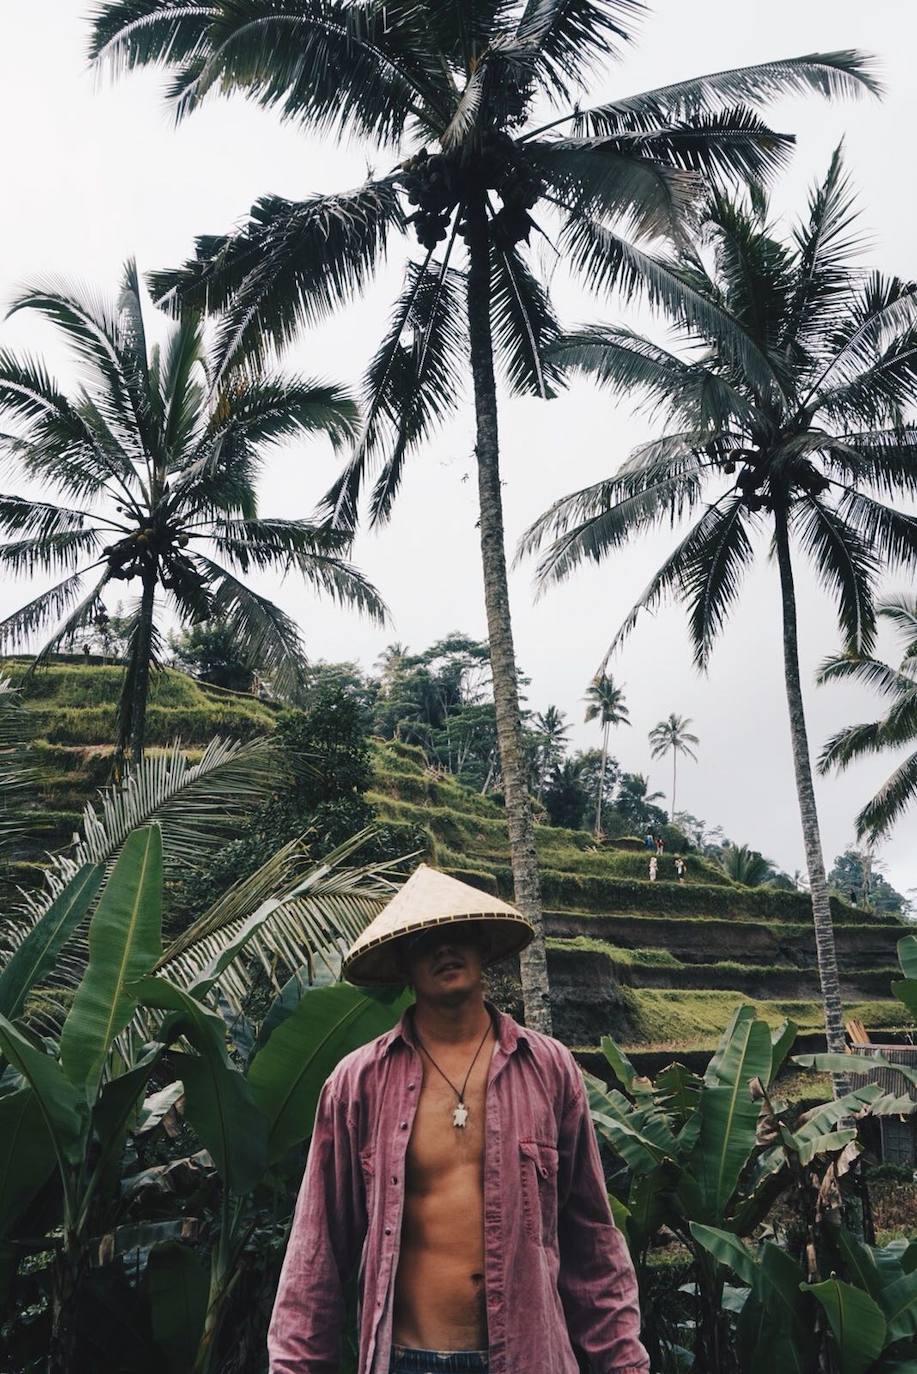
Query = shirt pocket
x=538 y=1164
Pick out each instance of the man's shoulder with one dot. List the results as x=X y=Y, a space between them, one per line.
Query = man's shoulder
x=548 y=1052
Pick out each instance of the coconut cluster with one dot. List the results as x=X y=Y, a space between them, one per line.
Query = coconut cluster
x=130 y=556
x=437 y=183
x=753 y=479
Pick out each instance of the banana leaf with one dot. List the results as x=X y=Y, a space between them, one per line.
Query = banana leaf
x=27 y=1155
x=36 y=956
x=125 y=940
x=856 y=1322
x=286 y=1076
x=729 y=1115
x=178 y=1288
x=907 y=956
x=59 y=1102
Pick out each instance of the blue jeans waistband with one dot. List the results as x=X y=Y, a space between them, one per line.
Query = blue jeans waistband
x=406 y=1361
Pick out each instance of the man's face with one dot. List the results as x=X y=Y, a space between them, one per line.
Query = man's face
x=446 y=964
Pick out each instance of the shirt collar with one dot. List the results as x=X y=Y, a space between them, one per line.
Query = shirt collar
x=509 y=1032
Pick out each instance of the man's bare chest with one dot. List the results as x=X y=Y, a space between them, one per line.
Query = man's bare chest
x=448 y=1130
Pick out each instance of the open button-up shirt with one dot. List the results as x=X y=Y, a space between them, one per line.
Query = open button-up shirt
x=557 y=1272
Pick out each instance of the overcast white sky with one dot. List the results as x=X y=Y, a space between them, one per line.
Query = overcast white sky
x=91 y=174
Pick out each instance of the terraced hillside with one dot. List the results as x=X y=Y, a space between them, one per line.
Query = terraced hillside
x=655 y=964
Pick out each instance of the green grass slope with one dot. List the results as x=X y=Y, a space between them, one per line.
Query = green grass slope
x=656 y=964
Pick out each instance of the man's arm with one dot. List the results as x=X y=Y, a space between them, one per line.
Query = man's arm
x=597 y=1284
x=325 y=1240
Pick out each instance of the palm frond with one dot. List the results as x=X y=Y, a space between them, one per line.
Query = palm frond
x=825 y=245
x=869 y=672
x=289 y=265
x=53 y=553
x=568 y=36
x=337 y=67
x=883 y=459
x=291 y=912
x=607 y=514
x=608 y=180
x=894 y=797
x=883 y=310
x=17 y=769
x=263 y=632
x=414 y=382
x=40 y=519
x=198 y=807
x=712 y=574
x=902 y=612
x=725 y=146
x=609 y=263
x=41 y=611
x=523 y=325
x=833 y=74
x=139 y=33
x=624 y=361
x=889 y=534
x=846 y=567
x=684 y=561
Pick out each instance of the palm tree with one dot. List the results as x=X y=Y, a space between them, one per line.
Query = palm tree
x=605 y=702
x=896 y=729
x=159 y=455
x=551 y=730
x=461 y=78
x=746 y=866
x=672 y=736
x=803 y=420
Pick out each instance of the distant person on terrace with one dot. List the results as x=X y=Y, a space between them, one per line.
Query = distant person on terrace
x=454 y=1167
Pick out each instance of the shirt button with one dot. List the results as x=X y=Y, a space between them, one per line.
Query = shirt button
x=410 y=1087
x=404 y=1125
x=388 y=1230
x=394 y=1178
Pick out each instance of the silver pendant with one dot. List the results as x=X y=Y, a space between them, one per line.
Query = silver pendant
x=460 y=1115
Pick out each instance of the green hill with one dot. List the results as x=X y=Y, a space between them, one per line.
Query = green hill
x=656 y=964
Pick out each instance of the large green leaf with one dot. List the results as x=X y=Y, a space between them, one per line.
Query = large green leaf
x=27 y=1155
x=178 y=1287
x=905 y=989
x=621 y=1066
x=125 y=940
x=36 y=955
x=728 y=1249
x=728 y=1114
x=638 y=1152
x=907 y=956
x=856 y=1322
x=846 y=1064
x=899 y=1304
x=59 y=1102
x=220 y=1107
x=218 y=1100
x=286 y=1076
x=782 y=1040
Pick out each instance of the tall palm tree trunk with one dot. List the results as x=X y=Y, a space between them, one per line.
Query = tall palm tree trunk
x=598 y=805
x=674 y=781
x=521 y=827
x=142 y=653
x=815 y=863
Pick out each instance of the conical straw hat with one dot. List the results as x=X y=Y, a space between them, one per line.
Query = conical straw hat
x=429 y=899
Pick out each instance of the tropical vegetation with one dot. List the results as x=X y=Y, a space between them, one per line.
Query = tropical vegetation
x=786 y=420
x=160 y=455
x=605 y=703
x=672 y=736
x=895 y=730
x=467 y=82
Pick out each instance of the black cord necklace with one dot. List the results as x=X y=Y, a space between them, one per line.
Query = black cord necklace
x=460 y=1113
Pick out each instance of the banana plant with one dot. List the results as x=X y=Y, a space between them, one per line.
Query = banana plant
x=715 y=1152
x=865 y=1322
x=71 y=1110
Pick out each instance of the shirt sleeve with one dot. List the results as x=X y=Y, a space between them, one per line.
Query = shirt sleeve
x=326 y=1237
x=598 y=1287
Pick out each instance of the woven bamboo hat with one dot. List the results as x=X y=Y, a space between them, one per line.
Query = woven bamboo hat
x=429 y=899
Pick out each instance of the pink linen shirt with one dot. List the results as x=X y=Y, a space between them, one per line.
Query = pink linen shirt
x=557 y=1272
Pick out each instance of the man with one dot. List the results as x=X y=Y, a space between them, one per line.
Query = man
x=454 y=1166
